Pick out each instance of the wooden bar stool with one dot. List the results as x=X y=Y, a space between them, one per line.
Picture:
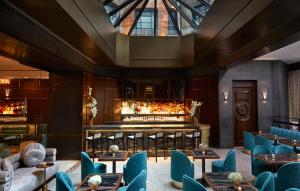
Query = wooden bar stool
x=94 y=140
x=176 y=136
x=193 y=137
x=138 y=136
x=159 y=136
x=119 y=136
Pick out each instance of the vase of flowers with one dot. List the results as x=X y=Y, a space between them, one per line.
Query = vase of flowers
x=203 y=147
x=114 y=149
x=94 y=182
x=236 y=178
x=92 y=106
x=195 y=105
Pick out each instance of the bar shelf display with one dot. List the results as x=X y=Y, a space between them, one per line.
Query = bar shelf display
x=152 y=111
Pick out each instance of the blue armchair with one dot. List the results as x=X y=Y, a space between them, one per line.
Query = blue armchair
x=138 y=183
x=259 y=140
x=283 y=149
x=249 y=140
x=180 y=165
x=265 y=182
x=226 y=165
x=288 y=176
x=88 y=167
x=134 y=166
x=63 y=182
x=257 y=165
x=293 y=189
x=189 y=184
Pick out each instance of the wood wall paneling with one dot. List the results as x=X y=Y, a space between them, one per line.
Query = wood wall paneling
x=205 y=89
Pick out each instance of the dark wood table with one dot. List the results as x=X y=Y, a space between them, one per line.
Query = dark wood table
x=110 y=181
x=219 y=182
x=294 y=143
x=277 y=160
x=275 y=138
x=208 y=154
x=108 y=156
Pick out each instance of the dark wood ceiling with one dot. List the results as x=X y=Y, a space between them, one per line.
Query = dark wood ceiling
x=232 y=31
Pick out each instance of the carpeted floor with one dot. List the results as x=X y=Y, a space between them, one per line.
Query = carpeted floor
x=159 y=173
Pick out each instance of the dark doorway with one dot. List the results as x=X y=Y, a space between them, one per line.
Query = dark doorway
x=244 y=108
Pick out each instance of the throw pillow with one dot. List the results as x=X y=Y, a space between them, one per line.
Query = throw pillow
x=33 y=154
x=8 y=166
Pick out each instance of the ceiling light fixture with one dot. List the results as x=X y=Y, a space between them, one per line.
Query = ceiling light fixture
x=4 y=81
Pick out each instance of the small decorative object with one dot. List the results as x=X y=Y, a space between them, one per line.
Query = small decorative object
x=92 y=105
x=259 y=132
x=94 y=182
x=273 y=156
x=275 y=136
x=114 y=149
x=195 y=105
x=236 y=178
x=294 y=141
x=203 y=147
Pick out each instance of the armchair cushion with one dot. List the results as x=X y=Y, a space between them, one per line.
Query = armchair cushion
x=5 y=176
x=217 y=166
x=6 y=165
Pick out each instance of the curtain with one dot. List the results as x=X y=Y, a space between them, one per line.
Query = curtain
x=294 y=94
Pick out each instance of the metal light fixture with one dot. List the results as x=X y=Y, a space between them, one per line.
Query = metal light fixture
x=4 y=81
x=225 y=94
x=264 y=96
x=7 y=92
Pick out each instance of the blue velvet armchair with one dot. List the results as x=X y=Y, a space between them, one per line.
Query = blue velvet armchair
x=88 y=167
x=63 y=182
x=134 y=166
x=265 y=182
x=293 y=189
x=226 y=165
x=180 y=165
x=259 y=140
x=137 y=184
x=257 y=165
x=288 y=176
x=249 y=140
x=283 y=149
x=189 y=184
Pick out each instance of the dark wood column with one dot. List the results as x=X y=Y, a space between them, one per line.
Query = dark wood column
x=65 y=118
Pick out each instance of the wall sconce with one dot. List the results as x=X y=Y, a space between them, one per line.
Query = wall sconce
x=90 y=91
x=264 y=96
x=225 y=93
x=7 y=92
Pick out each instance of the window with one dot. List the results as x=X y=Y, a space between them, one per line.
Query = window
x=145 y=25
x=202 y=9
x=171 y=27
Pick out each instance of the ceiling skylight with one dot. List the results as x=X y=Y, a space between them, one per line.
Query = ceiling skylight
x=156 y=17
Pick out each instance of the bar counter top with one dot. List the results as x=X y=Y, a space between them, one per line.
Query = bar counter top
x=128 y=126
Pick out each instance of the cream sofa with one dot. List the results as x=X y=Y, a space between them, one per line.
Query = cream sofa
x=31 y=178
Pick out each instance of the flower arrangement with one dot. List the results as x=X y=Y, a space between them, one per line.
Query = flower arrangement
x=114 y=148
x=202 y=146
x=94 y=182
x=92 y=105
x=235 y=177
x=194 y=107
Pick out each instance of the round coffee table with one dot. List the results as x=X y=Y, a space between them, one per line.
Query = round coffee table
x=45 y=165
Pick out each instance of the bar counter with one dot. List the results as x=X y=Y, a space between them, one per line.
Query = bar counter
x=142 y=126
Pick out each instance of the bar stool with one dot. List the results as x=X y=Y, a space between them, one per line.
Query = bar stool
x=116 y=137
x=139 y=136
x=156 y=138
x=193 y=136
x=176 y=136
x=94 y=140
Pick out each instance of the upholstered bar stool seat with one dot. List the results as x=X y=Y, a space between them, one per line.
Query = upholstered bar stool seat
x=192 y=136
x=94 y=140
x=159 y=136
x=119 y=136
x=174 y=137
x=139 y=136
